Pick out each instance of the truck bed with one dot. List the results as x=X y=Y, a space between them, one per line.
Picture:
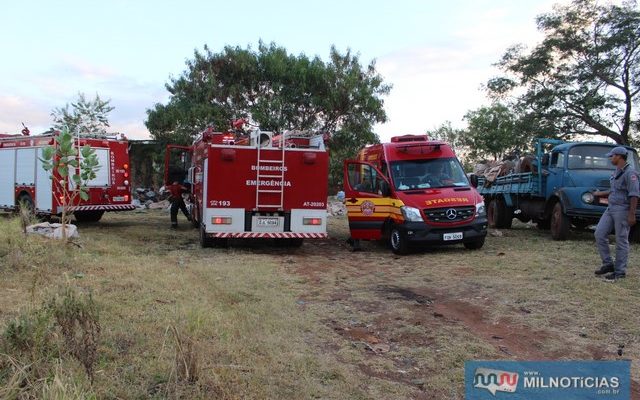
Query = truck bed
x=522 y=183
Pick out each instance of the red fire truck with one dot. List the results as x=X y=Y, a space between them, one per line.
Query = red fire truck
x=412 y=191
x=258 y=186
x=24 y=181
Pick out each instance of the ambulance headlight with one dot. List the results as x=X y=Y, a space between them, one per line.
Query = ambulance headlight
x=588 y=197
x=411 y=214
x=481 y=210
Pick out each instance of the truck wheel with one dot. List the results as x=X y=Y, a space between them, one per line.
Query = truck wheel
x=492 y=213
x=296 y=242
x=194 y=220
x=88 y=216
x=544 y=224
x=398 y=241
x=560 y=223
x=205 y=241
x=221 y=243
x=581 y=225
x=499 y=215
x=634 y=234
x=475 y=245
x=25 y=200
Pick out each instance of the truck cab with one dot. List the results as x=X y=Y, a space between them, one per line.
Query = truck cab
x=573 y=171
x=411 y=192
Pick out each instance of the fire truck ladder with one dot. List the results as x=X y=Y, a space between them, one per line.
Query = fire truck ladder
x=276 y=173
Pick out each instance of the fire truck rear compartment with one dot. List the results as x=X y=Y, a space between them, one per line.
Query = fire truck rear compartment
x=295 y=222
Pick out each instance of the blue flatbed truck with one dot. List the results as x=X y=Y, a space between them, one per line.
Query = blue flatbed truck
x=558 y=194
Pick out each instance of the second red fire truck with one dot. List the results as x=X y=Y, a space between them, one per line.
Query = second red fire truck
x=258 y=186
x=24 y=181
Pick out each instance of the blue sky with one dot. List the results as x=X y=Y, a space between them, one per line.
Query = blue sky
x=436 y=54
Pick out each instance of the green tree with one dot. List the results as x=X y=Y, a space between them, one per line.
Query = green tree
x=584 y=77
x=447 y=133
x=277 y=91
x=493 y=131
x=75 y=168
x=84 y=116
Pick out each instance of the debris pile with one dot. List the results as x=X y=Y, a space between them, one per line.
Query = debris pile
x=53 y=231
x=491 y=170
x=336 y=208
x=150 y=198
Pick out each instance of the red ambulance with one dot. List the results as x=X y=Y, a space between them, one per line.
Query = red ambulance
x=23 y=180
x=258 y=185
x=412 y=191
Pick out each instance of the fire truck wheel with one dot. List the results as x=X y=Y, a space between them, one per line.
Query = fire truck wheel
x=398 y=241
x=296 y=242
x=205 y=241
x=25 y=200
x=221 y=243
x=475 y=245
x=88 y=216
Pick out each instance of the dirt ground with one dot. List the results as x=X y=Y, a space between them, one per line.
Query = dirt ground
x=324 y=322
x=521 y=297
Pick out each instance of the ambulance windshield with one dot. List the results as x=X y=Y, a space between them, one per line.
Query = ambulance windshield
x=425 y=174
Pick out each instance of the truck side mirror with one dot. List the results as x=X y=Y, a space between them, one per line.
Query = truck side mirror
x=545 y=160
x=473 y=179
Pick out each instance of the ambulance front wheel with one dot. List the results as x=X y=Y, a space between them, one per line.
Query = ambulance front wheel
x=475 y=245
x=398 y=241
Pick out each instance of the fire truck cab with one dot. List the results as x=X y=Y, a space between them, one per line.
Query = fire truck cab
x=24 y=181
x=258 y=185
x=412 y=191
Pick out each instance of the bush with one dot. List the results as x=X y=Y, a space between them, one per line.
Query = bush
x=31 y=333
x=34 y=345
x=77 y=316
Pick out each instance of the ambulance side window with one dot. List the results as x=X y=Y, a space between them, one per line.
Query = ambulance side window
x=362 y=177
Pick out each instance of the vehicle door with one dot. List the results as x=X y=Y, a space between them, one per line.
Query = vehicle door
x=557 y=168
x=368 y=199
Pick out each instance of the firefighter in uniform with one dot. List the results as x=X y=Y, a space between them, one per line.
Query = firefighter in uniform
x=619 y=216
x=177 y=203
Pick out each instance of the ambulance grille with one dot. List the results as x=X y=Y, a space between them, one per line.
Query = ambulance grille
x=444 y=214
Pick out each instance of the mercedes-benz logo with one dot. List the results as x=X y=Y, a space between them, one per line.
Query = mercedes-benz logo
x=451 y=213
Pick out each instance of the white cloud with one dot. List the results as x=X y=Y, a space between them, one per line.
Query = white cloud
x=442 y=80
x=17 y=109
x=61 y=84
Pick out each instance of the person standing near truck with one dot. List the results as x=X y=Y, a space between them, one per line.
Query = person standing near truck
x=177 y=203
x=619 y=216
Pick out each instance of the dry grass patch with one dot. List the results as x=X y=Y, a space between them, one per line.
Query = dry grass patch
x=178 y=321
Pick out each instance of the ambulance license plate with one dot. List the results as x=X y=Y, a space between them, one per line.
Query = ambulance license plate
x=452 y=236
x=268 y=221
